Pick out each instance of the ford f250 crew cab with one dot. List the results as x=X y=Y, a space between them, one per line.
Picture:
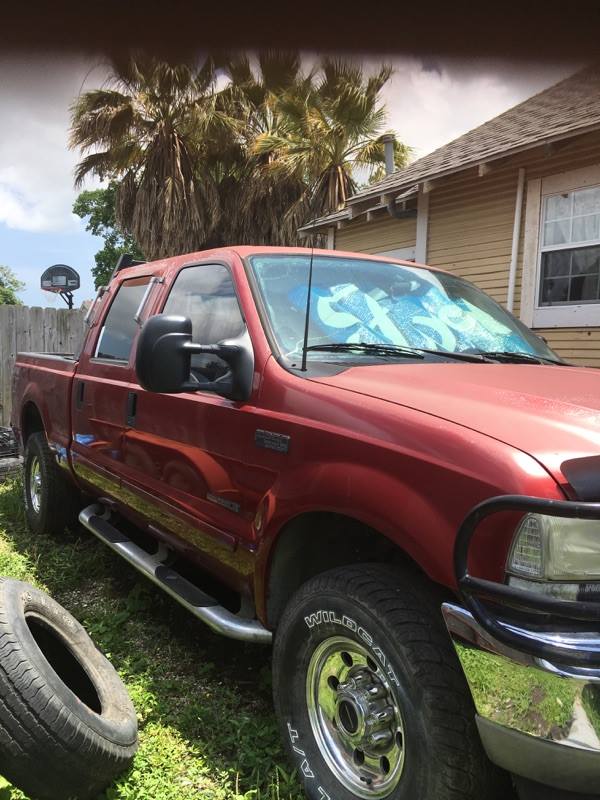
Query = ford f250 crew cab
x=371 y=463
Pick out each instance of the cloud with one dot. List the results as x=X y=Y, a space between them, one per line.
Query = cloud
x=36 y=167
x=432 y=102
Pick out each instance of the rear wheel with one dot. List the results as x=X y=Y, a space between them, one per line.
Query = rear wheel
x=370 y=696
x=51 y=501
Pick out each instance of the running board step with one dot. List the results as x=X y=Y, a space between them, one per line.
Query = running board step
x=201 y=605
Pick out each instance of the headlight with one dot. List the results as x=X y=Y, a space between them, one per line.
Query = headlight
x=556 y=549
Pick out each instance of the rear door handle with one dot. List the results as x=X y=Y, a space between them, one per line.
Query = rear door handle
x=79 y=394
x=131 y=409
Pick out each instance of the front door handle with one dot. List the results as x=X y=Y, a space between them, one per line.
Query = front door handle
x=131 y=409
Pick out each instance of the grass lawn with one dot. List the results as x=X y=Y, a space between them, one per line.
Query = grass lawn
x=206 y=722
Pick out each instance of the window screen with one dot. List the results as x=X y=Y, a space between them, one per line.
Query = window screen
x=207 y=296
x=119 y=327
x=570 y=248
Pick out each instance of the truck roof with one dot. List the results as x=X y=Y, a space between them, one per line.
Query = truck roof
x=243 y=251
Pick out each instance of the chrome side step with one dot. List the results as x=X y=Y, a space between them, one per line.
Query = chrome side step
x=206 y=608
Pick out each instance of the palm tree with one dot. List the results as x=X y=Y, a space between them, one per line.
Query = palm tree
x=195 y=166
x=151 y=130
x=330 y=134
x=258 y=203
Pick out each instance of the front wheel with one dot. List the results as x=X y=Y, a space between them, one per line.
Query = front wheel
x=370 y=696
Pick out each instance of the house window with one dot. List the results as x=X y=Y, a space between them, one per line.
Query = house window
x=570 y=248
x=561 y=250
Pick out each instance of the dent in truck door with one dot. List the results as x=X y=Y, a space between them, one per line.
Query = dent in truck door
x=184 y=456
x=101 y=391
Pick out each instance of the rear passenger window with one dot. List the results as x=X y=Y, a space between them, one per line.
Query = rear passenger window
x=206 y=295
x=120 y=327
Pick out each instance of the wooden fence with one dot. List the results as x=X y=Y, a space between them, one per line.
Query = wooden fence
x=49 y=330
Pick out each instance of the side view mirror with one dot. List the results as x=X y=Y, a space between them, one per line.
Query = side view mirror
x=164 y=353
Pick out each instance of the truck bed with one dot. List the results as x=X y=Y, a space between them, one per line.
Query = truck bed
x=44 y=379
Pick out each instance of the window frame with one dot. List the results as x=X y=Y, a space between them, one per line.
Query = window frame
x=569 y=315
x=204 y=264
x=118 y=362
x=211 y=263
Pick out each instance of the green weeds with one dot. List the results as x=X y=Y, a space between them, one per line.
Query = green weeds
x=207 y=728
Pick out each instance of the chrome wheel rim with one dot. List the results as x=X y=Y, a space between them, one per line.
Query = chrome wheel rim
x=355 y=717
x=35 y=484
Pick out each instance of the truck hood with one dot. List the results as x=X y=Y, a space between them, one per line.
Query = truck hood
x=550 y=412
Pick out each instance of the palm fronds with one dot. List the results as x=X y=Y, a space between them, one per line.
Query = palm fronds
x=246 y=163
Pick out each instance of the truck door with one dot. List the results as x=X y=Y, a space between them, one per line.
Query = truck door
x=183 y=455
x=101 y=400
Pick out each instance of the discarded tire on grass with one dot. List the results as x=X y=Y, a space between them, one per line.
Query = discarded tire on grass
x=67 y=724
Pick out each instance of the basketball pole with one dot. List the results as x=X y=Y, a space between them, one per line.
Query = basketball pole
x=68 y=298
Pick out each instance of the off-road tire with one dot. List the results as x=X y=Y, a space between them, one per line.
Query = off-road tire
x=67 y=725
x=395 y=617
x=59 y=500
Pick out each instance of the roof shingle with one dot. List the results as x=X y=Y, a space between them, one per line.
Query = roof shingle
x=568 y=107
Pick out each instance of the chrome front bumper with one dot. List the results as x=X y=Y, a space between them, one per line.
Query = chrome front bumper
x=537 y=720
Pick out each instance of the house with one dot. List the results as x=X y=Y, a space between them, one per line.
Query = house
x=513 y=205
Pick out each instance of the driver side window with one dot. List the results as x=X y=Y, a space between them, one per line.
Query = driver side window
x=206 y=295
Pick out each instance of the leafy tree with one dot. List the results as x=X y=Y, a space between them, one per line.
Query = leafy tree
x=332 y=132
x=149 y=130
x=98 y=206
x=260 y=205
x=196 y=164
x=9 y=286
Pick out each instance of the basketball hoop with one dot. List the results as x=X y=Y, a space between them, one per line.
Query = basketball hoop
x=62 y=280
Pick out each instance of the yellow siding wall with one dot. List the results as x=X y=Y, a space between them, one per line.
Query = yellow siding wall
x=578 y=345
x=470 y=229
x=471 y=222
x=377 y=236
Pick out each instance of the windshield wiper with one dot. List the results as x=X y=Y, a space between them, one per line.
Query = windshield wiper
x=476 y=358
x=368 y=348
x=518 y=357
x=394 y=350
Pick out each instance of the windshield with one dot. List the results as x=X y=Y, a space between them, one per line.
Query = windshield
x=358 y=300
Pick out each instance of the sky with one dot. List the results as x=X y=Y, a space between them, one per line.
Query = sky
x=429 y=103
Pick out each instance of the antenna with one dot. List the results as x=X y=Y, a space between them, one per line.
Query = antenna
x=307 y=317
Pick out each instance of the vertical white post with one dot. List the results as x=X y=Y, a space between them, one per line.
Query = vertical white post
x=422 y=227
x=514 y=253
x=331 y=238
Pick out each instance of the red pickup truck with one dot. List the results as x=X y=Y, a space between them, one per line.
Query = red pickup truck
x=371 y=463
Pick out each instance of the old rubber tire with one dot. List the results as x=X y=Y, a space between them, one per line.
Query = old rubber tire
x=51 y=500
x=364 y=641
x=67 y=724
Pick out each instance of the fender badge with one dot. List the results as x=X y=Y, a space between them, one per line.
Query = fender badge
x=222 y=501
x=272 y=441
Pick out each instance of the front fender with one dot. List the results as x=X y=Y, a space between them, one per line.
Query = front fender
x=416 y=501
x=359 y=491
